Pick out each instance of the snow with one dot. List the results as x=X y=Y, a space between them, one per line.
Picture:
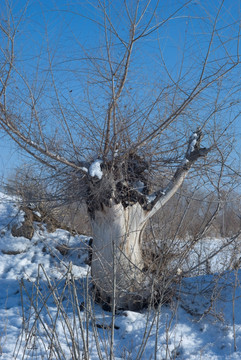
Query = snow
x=192 y=143
x=84 y=169
x=95 y=169
x=153 y=196
x=181 y=332
x=185 y=161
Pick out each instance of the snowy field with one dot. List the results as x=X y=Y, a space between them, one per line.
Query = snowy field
x=202 y=322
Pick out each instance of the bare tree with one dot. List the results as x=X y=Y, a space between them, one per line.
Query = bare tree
x=114 y=112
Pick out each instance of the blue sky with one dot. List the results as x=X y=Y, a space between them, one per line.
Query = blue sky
x=70 y=30
x=10 y=157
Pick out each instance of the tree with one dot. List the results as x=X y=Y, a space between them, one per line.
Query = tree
x=113 y=118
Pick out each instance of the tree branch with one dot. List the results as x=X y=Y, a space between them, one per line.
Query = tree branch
x=31 y=146
x=193 y=153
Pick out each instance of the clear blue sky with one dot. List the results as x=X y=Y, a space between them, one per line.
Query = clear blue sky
x=62 y=25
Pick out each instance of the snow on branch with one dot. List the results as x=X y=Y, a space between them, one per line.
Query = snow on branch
x=192 y=143
x=95 y=169
x=194 y=151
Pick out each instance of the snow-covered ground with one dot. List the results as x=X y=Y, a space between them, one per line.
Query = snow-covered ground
x=203 y=322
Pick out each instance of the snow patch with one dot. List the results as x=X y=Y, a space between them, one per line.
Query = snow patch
x=181 y=332
x=192 y=143
x=84 y=169
x=95 y=169
x=185 y=162
x=153 y=196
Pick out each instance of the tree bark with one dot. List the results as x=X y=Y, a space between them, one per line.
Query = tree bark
x=117 y=233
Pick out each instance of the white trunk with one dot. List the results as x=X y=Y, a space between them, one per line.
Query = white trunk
x=117 y=263
x=116 y=253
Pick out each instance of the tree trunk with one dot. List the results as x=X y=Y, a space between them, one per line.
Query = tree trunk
x=117 y=256
x=118 y=225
